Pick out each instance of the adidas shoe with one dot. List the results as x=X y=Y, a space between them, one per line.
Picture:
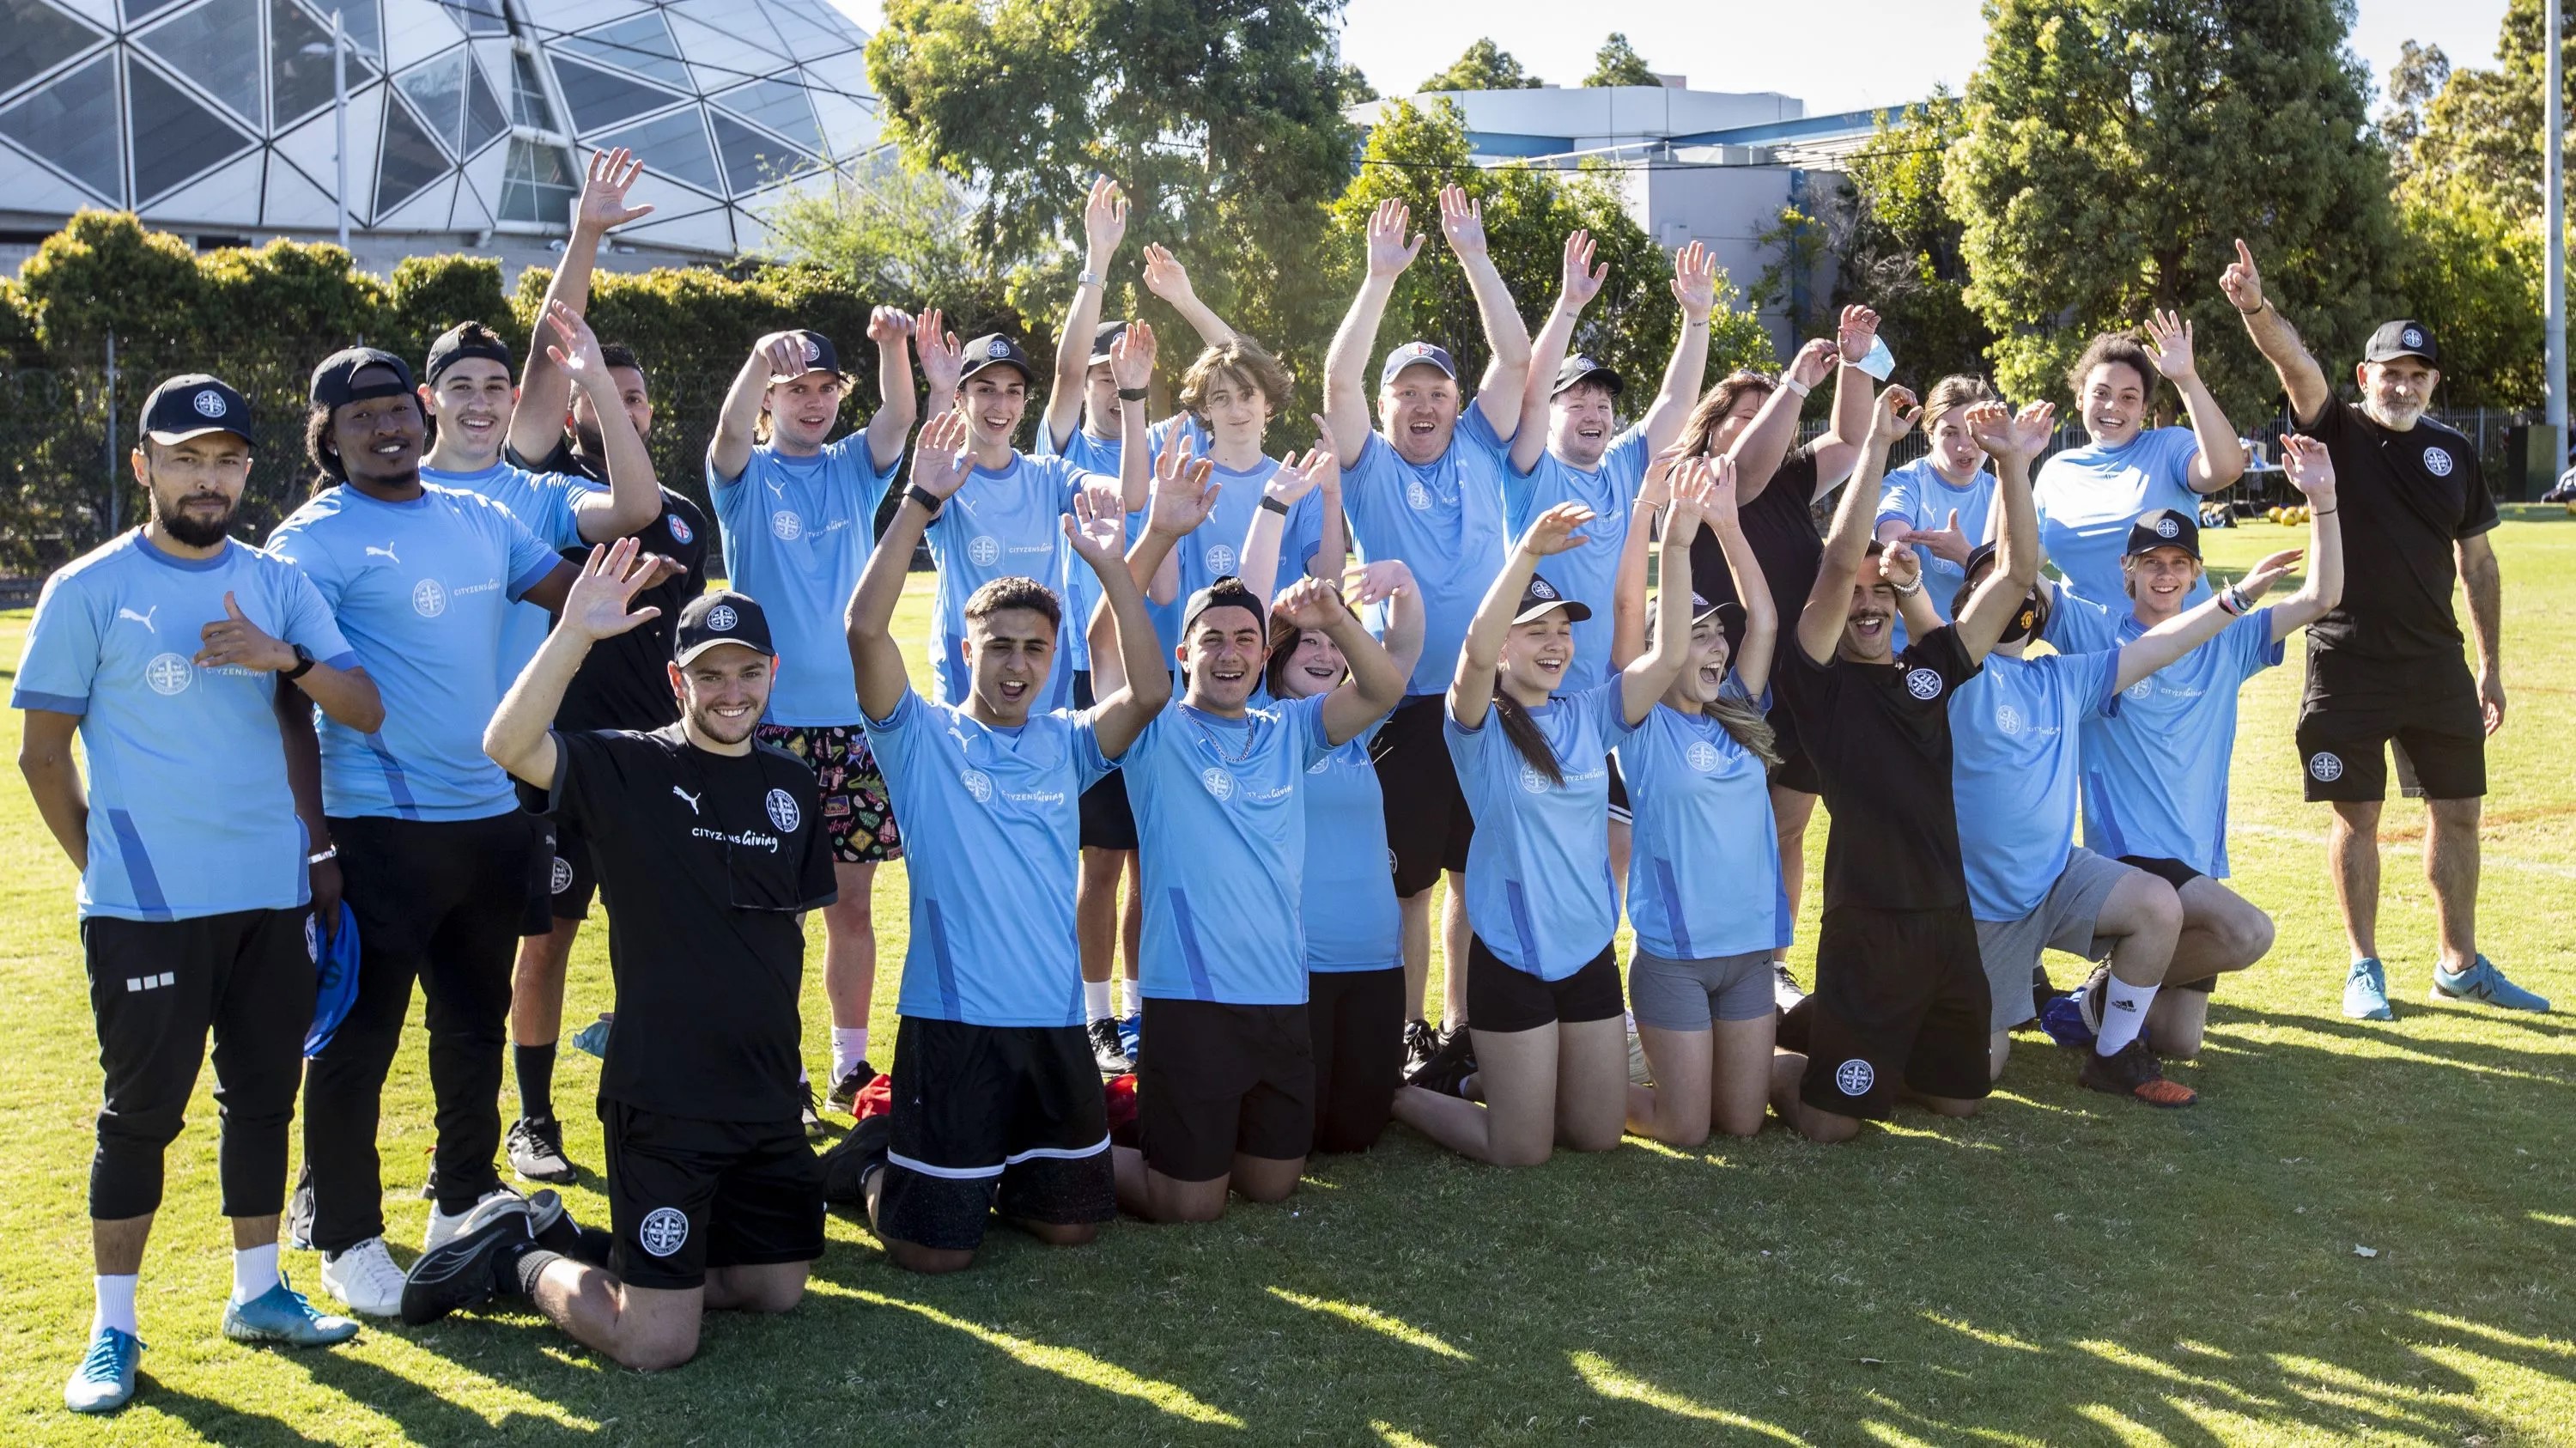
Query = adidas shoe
x=2132 y=1071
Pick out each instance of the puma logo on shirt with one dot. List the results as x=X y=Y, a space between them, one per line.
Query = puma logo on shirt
x=386 y=552
x=144 y=618
x=685 y=795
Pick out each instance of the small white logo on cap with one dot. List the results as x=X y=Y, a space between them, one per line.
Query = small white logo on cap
x=1541 y=588
x=1854 y=1077
x=2166 y=527
x=998 y=349
x=979 y=784
x=2437 y=461
x=813 y=350
x=1923 y=684
x=783 y=811
x=721 y=618
x=210 y=403
x=2414 y=338
x=2325 y=767
x=1218 y=782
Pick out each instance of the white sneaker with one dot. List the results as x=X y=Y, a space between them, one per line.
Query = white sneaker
x=443 y=1228
x=365 y=1278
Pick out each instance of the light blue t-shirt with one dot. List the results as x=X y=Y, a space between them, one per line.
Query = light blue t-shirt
x=1351 y=917
x=1444 y=520
x=543 y=501
x=189 y=811
x=2088 y=496
x=1002 y=524
x=1539 y=890
x=1704 y=862
x=2156 y=759
x=2015 y=729
x=1586 y=573
x=1221 y=838
x=975 y=800
x=422 y=589
x=1080 y=587
x=796 y=536
x=1919 y=497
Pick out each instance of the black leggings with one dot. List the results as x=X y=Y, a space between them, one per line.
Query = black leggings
x=1356 y=1018
x=440 y=900
x=157 y=987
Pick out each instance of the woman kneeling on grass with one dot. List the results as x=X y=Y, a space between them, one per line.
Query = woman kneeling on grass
x=1543 y=996
x=1704 y=872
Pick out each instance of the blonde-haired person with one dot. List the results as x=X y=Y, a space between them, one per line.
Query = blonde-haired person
x=1942 y=502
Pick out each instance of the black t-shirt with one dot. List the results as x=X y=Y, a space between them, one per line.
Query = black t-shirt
x=2405 y=498
x=1780 y=525
x=624 y=684
x=1880 y=738
x=709 y=857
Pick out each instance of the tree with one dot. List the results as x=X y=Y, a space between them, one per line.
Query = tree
x=1617 y=63
x=1485 y=66
x=2419 y=75
x=2472 y=274
x=2482 y=130
x=2115 y=148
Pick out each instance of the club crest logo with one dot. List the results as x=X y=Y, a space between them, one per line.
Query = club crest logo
x=997 y=349
x=2325 y=768
x=1417 y=497
x=983 y=550
x=1218 y=782
x=1924 y=684
x=2141 y=691
x=663 y=1231
x=813 y=349
x=1854 y=1077
x=783 y=811
x=169 y=674
x=2168 y=528
x=1541 y=588
x=1532 y=780
x=2008 y=719
x=1701 y=756
x=2414 y=337
x=2437 y=462
x=562 y=875
x=721 y=619
x=429 y=598
x=679 y=527
x=786 y=526
x=1320 y=765
x=979 y=784
x=1220 y=560
x=209 y=403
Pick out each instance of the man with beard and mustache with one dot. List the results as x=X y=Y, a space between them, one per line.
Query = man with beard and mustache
x=2385 y=667
x=713 y=846
x=172 y=651
x=435 y=849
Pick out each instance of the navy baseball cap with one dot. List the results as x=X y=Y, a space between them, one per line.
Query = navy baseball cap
x=995 y=350
x=720 y=617
x=1727 y=611
x=456 y=345
x=335 y=382
x=820 y=356
x=1102 y=337
x=2404 y=337
x=1579 y=368
x=1540 y=597
x=192 y=405
x=1415 y=353
x=2163 y=528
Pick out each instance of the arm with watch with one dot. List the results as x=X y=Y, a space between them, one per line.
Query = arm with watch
x=1104 y=226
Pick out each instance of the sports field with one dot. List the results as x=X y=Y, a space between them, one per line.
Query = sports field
x=2362 y=1234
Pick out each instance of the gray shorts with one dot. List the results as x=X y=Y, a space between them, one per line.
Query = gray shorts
x=1685 y=995
x=2063 y=921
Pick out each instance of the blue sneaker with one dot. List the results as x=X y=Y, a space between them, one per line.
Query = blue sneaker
x=282 y=1315
x=2365 y=992
x=2483 y=983
x=104 y=1381
x=1131 y=1029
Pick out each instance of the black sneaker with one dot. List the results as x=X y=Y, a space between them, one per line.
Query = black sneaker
x=429 y=1182
x=299 y=1212
x=1419 y=1042
x=2042 y=990
x=845 y=1092
x=1449 y=1067
x=461 y=1272
x=811 y=1113
x=2132 y=1071
x=1785 y=990
x=536 y=1150
x=852 y=1159
x=1107 y=1051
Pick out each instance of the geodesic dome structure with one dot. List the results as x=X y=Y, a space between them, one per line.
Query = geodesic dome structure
x=464 y=116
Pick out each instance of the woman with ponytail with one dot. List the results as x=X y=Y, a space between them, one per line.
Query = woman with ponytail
x=1543 y=1001
x=1704 y=869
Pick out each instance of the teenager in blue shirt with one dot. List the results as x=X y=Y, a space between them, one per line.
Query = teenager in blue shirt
x=797 y=510
x=1549 y=1042
x=172 y=651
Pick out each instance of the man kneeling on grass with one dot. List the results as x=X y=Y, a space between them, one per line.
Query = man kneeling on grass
x=713 y=846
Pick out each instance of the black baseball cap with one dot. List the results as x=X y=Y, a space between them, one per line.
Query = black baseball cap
x=2404 y=337
x=1579 y=368
x=720 y=617
x=1727 y=611
x=1102 y=337
x=1981 y=555
x=456 y=344
x=335 y=382
x=193 y=404
x=820 y=356
x=1539 y=597
x=995 y=350
x=2163 y=528
x=1226 y=592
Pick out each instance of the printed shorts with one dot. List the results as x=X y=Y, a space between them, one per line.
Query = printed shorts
x=856 y=814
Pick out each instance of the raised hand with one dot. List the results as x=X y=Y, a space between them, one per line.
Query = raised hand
x=1309 y=603
x=2241 y=282
x=2033 y=426
x=2007 y=434
x=235 y=640
x=1657 y=487
x=1299 y=476
x=602 y=207
x=1097 y=526
x=1945 y=542
x=2169 y=342
x=577 y=353
x=1694 y=498
x=596 y=606
x=1898 y=565
x=784 y=352
x=943 y=357
x=1377 y=582
x=1814 y=362
x=1388 y=252
x=1104 y=218
x=1582 y=281
x=1165 y=277
x=1855 y=332
x=1183 y=496
x=1894 y=415
x=2268 y=570
x=888 y=324
x=1558 y=529
x=1462 y=222
x=1131 y=357
x=2310 y=467
x=1695 y=282
x=940 y=461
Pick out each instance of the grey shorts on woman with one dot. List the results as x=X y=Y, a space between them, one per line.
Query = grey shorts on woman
x=2064 y=921
x=1685 y=995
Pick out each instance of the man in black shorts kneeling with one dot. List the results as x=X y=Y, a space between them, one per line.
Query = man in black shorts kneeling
x=713 y=847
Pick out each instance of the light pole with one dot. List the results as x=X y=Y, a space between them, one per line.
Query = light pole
x=339 y=118
x=2554 y=223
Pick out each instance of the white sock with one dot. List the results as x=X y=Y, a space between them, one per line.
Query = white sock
x=254 y=1271
x=849 y=1048
x=2124 y=1014
x=1135 y=992
x=1095 y=1000
x=115 y=1304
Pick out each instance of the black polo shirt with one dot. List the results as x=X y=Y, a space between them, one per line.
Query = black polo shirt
x=1880 y=738
x=1780 y=526
x=625 y=684
x=2405 y=500
x=709 y=858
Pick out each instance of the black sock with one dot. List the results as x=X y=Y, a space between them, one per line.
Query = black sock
x=517 y=1265
x=535 y=1066
x=593 y=1248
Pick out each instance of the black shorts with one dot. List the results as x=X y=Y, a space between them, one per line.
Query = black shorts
x=1900 y=997
x=685 y=1195
x=1108 y=821
x=1502 y=997
x=987 y=1117
x=2355 y=710
x=570 y=880
x=1795 y=770
x=1427 y=823
x=1221 y=1081
x=538 y=917
x=1355 y=1022
x=2177 y=874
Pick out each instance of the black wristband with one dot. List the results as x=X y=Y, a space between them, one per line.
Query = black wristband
x=928 y=500
x=1274 y=505
x=303 y=663
x=1131 y=394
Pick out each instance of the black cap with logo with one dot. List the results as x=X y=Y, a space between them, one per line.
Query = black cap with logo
x=995 y=350
x=820 y=356
x=1579 y=368
x=720 y=617
x=192 y=405
x=2404 y=337
x=2163 y=528
x=1102 y=338
x=335 y=382
x=1540 y=597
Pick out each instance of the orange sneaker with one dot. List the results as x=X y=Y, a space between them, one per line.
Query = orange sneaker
x=2132 y=1071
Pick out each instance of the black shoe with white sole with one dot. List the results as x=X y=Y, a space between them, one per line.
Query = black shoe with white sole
x=536 y=1150
x=463 y=1271
x=1107 y=1051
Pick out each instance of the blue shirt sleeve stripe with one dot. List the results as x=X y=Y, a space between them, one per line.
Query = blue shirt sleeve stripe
x=535 y=574
x=54 y=703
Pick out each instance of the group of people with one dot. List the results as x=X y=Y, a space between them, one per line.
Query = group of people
x=1578 y=670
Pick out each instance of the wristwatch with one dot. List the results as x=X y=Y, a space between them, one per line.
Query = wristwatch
x=1131 y=394
x=1274 y=505
x=929 y=501
x=303 y=663
x=1087 y=279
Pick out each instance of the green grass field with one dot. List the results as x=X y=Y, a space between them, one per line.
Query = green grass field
x=2065 y=1268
